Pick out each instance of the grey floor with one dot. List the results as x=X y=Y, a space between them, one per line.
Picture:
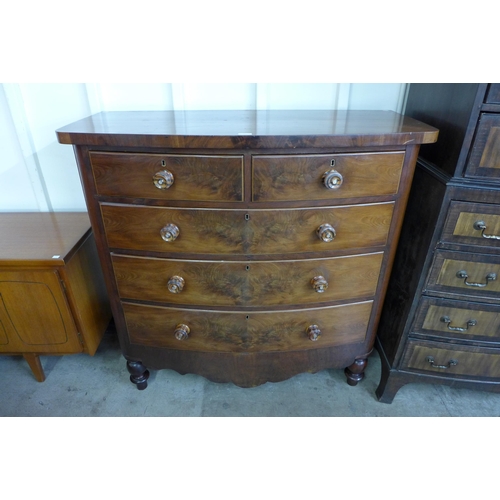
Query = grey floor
x=98 y=386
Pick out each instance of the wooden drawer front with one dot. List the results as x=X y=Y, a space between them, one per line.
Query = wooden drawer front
x=247 y=283
x=493 y=94
x=485 y=156
x=197 y=178
x=249 y=332
x=458 y=320
x=281 y=178
x=449 y=270
x=439 y=359
x=215 y=232
x=473 y=224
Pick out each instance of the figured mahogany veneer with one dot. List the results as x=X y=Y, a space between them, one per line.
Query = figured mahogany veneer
x=246 y=246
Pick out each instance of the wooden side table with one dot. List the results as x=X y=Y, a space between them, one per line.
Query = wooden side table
x=52 y=294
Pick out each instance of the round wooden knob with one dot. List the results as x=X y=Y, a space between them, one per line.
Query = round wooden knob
x=163 y=179
x=175 y=284
x=319 y=284
x=326 y=233
x=182 y=332
x=313 y=332
x=332 y=179
x=169 y=232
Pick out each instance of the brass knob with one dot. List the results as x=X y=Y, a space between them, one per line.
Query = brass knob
x=182 y=332
x=163 y=179
x=169 y=232
x=319 y=284
x=175 y=284
x=313 y=332
x=326 y=233
x=332 y=179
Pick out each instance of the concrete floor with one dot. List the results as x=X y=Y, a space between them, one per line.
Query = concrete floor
x=98 y=386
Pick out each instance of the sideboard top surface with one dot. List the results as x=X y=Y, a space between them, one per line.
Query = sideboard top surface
x=247 y=129
x=43 y=238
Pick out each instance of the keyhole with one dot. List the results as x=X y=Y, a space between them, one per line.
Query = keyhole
x=248 y=317
x=248 y=268
x=332 y=163
x=247 y=217
x=163 y=163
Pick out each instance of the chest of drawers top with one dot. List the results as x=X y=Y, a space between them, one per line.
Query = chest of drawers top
x=247 y=129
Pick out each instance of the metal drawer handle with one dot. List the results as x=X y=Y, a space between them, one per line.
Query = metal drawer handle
x=447 y=320
x=489 y=277
x=452 y=362
x=480 y=225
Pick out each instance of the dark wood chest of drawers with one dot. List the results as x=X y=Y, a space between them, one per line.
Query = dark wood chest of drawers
x=246 y=246
x=440 y=322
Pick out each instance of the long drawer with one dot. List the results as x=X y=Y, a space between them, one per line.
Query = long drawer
x=325 y=177
x=247 y=332
x=452 y=360
x=169 y=177
x=468 y=274
x=220 y=232
x=458 y=320
x=213 y=283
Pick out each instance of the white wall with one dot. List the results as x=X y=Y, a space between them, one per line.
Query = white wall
x=39 y=174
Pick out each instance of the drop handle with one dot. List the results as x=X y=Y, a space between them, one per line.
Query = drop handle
x=175 y=284
x=447 y=321
x=313 y=332
x=169 y=232
x=319 y=284
x=451 y=362
x=163 y=179
x=326 y=233
x=332 y=179
x=489 y=277
x=182 y=332
x=480 y=225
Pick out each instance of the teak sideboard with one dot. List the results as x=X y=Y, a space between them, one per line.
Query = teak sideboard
x=53 y=299
x=246 y=246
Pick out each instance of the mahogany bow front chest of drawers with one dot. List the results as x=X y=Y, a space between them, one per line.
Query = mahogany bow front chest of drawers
x=246 y=246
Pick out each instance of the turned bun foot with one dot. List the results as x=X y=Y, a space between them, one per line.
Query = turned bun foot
x=356 y=372
x=138 y=374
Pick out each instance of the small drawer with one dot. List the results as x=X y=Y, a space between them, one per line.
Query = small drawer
x=169 y=177
x=209 y=283
x=216 y=232
x=485 y=155
x=448 y=360
x=473 y=224
x=493 y=96
x=458 y=273
x=457 y=320
x=246 y=332
x=325 y=177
